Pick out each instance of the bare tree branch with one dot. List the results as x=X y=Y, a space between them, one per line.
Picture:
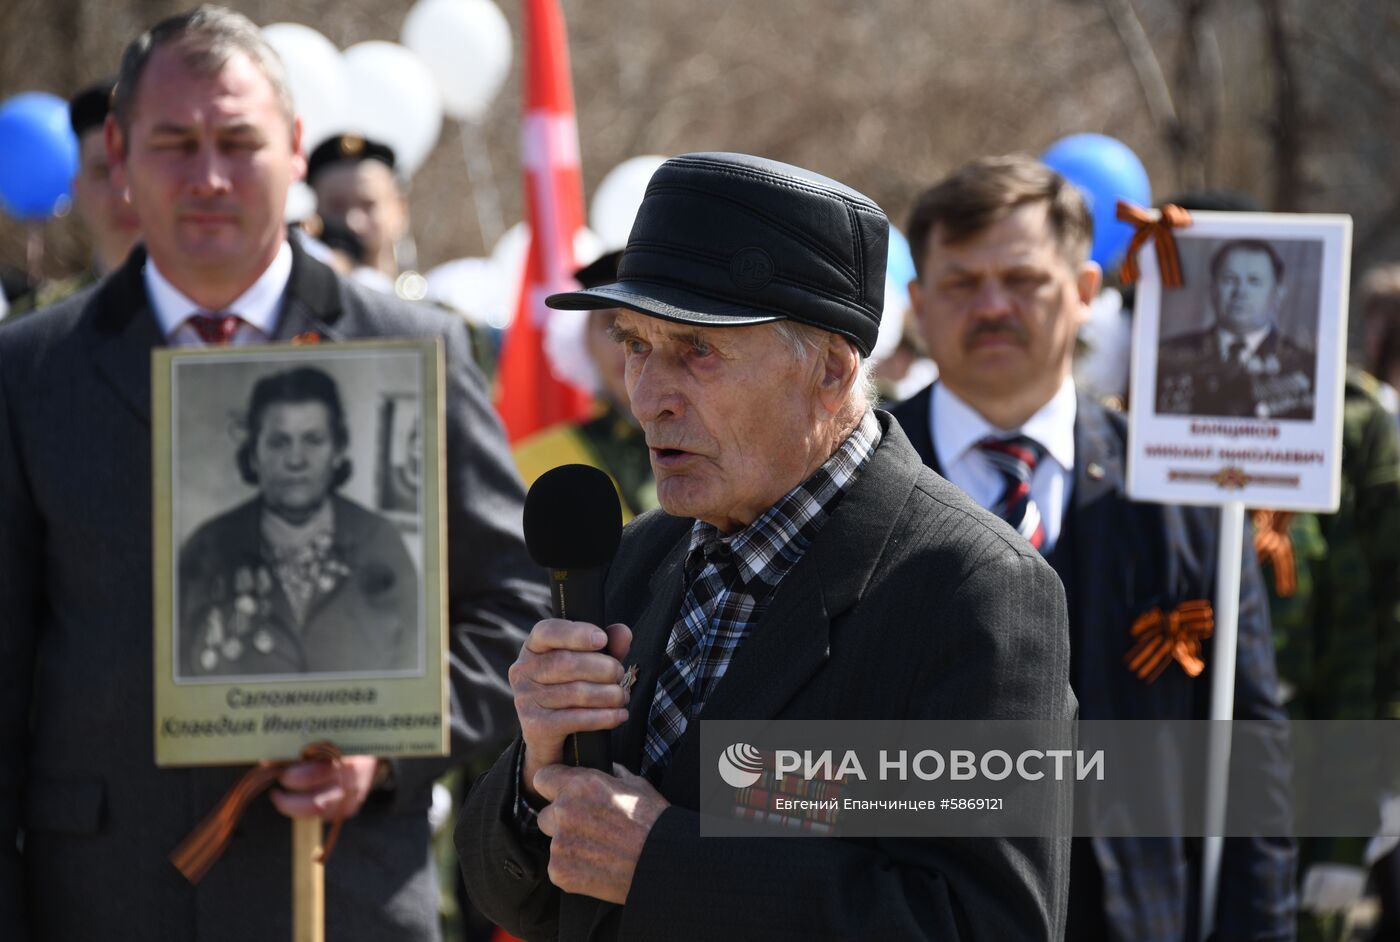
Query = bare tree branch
x=1143 y=59
x=1287 y=123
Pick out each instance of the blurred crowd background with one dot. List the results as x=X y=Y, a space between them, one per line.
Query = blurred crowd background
x=1289 y=102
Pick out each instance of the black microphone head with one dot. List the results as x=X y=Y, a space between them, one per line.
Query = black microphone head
x=572 y=518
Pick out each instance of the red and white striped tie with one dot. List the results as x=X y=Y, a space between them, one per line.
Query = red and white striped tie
x=1016 y=459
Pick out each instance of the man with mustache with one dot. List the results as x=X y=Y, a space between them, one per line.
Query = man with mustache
x=205 y=137
x=1004 y=281
x=804 y=565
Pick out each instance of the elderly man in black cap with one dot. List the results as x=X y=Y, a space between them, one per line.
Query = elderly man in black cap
x=806 y=565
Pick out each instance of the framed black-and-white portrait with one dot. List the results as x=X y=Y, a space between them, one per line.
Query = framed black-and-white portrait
x=299 y=550
x=1237 y=373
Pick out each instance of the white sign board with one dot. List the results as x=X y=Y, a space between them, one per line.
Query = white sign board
x=1237 y=374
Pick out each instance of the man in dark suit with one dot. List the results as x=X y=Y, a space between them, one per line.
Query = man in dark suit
x=804 y=566
x=1004 y=282
x=1242 y=365
x=205 y=139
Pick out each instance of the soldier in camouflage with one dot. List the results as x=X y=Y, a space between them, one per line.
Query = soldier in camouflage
x=1334 y=592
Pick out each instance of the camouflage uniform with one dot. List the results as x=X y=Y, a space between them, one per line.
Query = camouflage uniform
x=1337 y=633
x=51 y=292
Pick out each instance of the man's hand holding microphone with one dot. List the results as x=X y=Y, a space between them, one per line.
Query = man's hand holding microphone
x=567 y=681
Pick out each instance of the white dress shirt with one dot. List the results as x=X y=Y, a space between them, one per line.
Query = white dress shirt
x=260 y=306
x=957 y=428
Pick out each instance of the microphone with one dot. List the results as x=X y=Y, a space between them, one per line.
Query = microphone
x=573 y=523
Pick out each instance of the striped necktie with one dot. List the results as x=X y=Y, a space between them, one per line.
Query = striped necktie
x=1015 y=458
x=215 y=329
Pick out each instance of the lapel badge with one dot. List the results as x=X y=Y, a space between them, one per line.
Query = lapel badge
x=628 y=678
x=1095 y=471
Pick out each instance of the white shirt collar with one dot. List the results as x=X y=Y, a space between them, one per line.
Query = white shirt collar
x=1252 y=340
x=259 y=306
x=958 y=427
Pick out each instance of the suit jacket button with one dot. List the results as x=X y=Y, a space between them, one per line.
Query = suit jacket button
x=514 y=869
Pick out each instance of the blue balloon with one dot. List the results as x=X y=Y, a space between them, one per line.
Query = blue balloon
x=899 y=264
x=38 y=155
x=1105 y=171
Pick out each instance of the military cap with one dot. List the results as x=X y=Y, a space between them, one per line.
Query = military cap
x=347 y=147
x=87 y=110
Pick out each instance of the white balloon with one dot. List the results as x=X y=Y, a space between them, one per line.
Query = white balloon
x=508 y=258
x=587 y=247
x=469 y=286
x=466 y=45
x=301 y=203
x=617 y=198
x=1101 y=368
x=319 y=80
x=512 y=248
x=395 y=101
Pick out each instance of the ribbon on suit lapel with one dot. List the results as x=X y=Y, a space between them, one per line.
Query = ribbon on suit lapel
x=203 y=846
x=1174 y=636
x=1274 y=546
x=1157 y=227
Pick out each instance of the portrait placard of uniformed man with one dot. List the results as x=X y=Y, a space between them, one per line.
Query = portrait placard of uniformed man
x=1247 y=362
x=298 y=578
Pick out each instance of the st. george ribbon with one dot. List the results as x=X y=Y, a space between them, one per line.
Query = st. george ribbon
x=573 y=522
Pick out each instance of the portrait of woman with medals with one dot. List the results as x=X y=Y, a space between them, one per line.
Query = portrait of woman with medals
x=299 y=579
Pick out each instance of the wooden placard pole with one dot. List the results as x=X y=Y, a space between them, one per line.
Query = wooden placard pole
x=308 y=882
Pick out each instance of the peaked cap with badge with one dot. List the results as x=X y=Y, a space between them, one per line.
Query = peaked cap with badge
x=347 y=148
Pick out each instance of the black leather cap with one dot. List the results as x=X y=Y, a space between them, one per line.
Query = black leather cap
x=601 y=271
x=723 y=240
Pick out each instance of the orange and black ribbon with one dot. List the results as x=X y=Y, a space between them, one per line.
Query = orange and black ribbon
x=203 y=847
x=1274 y=546
x=1157 y=227
x=1176 y=636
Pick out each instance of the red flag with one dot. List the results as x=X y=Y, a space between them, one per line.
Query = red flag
x=530 y=398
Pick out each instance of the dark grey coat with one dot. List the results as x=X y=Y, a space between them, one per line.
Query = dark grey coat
x=76 y=725
x=912 y=602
